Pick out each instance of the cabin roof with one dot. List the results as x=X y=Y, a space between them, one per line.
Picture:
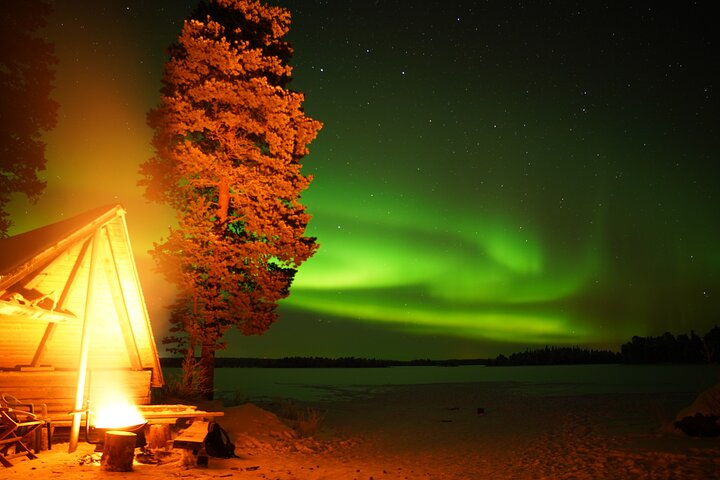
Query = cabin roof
x=21 y=249
x=45 y=278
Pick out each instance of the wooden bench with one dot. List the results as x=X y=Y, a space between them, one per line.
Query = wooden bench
x=192 y=437
x=171 y=413
x=192 y=442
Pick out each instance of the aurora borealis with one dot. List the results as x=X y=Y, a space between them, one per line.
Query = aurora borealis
x=490 y=176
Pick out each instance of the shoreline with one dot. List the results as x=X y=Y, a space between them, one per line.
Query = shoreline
x=434 y=431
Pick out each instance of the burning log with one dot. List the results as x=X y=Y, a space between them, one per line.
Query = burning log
x=118 y=451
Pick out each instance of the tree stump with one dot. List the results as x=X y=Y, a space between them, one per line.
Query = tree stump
x=118 y=451
x=158 y=436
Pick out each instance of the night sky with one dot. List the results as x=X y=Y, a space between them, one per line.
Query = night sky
x=491 y=176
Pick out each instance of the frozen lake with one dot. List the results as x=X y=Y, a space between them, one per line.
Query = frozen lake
x=312 y=384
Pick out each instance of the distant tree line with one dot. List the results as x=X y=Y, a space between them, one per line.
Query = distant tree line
x=669 y=348
x=324 y=362
x=666 y=348
x=558 y=356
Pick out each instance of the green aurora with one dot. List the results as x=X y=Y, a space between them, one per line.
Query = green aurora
x=490 y=176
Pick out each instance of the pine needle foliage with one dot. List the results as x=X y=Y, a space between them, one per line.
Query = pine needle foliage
x=229 y=137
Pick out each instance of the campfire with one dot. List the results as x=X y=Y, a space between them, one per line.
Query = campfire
x=118 y=431
x=118 y=415
x=111 y=408
x=116 y=428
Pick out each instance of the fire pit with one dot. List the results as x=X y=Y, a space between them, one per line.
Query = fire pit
x=123 y=417
x=96 y=435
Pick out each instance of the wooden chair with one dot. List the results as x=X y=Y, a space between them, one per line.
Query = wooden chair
x=14 y=425
x=39 y=410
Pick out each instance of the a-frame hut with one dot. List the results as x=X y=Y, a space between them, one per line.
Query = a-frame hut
x=72 y=314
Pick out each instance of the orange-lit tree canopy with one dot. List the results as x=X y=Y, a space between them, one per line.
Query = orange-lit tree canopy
x=26 y=110
x=229 y=137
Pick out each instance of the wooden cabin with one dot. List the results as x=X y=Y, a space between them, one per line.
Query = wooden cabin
x=72 y=315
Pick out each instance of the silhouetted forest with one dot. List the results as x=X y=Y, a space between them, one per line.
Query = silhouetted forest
x=669 y=348
x=666 y=348
x=558 y=356
x=324 y=362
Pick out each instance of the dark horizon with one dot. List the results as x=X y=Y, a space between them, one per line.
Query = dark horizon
x=668 y=348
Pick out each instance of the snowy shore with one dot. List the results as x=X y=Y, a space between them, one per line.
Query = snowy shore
x=440 y=431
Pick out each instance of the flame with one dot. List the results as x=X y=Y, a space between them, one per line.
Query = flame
x=111 y=402
x=117 y=414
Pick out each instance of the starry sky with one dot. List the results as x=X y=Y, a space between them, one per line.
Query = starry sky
x=491 y=175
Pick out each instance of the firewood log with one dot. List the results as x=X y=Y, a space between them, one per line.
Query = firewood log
x=118 y=451
x=158 y=436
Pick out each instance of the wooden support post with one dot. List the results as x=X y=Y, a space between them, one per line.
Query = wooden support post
x=118 y=451
x=157 y=376
x=69 y=285
x=121 y=308
x=84 y=345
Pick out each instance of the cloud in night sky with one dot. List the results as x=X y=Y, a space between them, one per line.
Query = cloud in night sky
x=490 y=176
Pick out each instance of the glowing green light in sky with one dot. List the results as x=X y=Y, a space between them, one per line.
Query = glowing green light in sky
x=495 y=193
x=419 y=269
x=432 y=316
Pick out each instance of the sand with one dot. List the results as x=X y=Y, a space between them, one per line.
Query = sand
x=436 y=432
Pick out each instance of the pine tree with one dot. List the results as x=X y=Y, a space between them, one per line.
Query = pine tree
x=26 y=110
x=229 y=138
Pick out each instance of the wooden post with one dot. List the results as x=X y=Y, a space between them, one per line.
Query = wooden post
x=157 y=376
x=121 y=306
x=60 y=305
x=158 y=436
x=118 y=451
x=84 y=345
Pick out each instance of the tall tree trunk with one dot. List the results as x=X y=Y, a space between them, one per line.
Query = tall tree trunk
x=207 y=367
